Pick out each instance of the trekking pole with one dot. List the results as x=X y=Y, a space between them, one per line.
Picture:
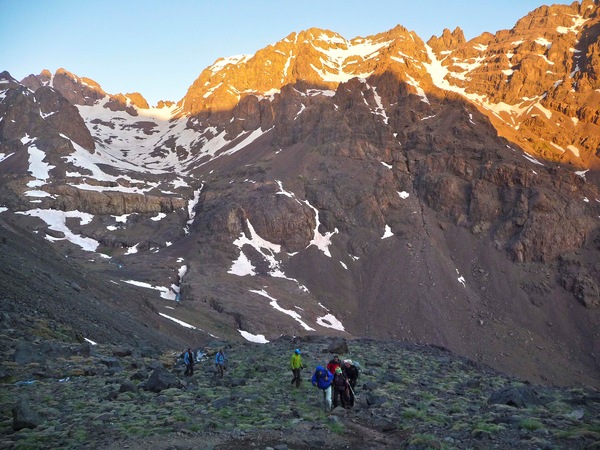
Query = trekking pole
x=353 y=394
x=351 y=390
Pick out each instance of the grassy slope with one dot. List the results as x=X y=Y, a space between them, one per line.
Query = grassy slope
x=418 y=395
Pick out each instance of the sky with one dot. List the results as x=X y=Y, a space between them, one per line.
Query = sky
x=158 y=47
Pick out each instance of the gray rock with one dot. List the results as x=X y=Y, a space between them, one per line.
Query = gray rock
x=147 y=352
x=112 y=395
x=128 y=386
x=24 y=417
x=517 y=396
x=139 y=375
x=27 y=352
x=121 y=351
x=85 y=349
x=339 y=411
x=156 y=365
x=374 y=400
x=162 y=379
x=111 y=363
x=338 y=346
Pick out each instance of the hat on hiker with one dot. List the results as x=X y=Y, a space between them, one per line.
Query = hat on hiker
x=297 y=351
x=338 y=370
x=348 y=361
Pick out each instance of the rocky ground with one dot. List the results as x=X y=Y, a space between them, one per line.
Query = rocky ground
x=71 y=395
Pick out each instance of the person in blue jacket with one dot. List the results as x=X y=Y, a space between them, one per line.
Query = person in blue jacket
x=322 y=379
x=220 y=362
x=188 y=359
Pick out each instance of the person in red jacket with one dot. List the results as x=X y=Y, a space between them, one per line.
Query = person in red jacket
x=334 y=364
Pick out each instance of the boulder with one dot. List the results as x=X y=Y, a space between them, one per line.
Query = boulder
x=162 y=379
x=374 y=400
x=517 y=396
x=27 y=352
x=338 y=346
x=85 y=349
x=24 y=417
x=121 y=351
x=139 y=375
x=111 y=363
x=128 y=386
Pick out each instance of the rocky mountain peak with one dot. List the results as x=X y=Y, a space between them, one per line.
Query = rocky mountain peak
x=164 y=104
x=129 y=103
x=7 y=79
x=85 y=91
x=536 y=81
x=318 y=58
x=137 y=100
x=77 y=90
x=449 y=40
x=44 y=115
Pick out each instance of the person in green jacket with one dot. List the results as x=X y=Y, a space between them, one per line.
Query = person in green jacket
x=297 y=366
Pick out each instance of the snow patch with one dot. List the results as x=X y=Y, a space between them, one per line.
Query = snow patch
x=257 y=338
x=387 y=233
x=293 y=314
x=180 y=322
x=330 y=321
x=56 y=220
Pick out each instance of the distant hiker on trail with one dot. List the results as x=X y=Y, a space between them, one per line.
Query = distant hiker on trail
x=350 y=371
x=322 y=379
x=297 y=366
x=220 y=362
x=188 y=359
x=340 y=389
x=334 y=364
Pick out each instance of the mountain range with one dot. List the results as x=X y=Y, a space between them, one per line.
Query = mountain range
x=442 y=192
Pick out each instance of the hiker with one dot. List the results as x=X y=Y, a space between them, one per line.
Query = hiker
x=350 y=371
x=297 y=366
x=220 y=362
x=340 y=389
x=334 y=364
x=322 y=379
x=188 y=359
